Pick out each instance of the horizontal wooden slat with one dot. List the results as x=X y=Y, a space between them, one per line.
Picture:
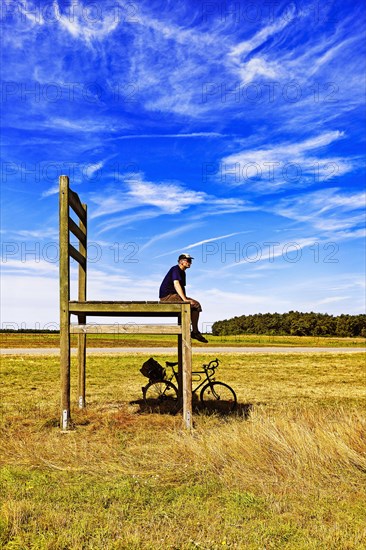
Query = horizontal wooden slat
x=125 y=329
x=76 y=205
x=77 y=256
x=79 y=233
x=97 y=302
x=153 y=309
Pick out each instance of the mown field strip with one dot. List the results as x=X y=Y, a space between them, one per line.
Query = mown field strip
x=172 y=351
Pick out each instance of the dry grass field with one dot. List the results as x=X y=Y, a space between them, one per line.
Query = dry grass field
x=287 y=471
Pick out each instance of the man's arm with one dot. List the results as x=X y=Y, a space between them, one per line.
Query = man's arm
x=179 y=290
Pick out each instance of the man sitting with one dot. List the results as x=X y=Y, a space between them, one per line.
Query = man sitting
x=172 y=289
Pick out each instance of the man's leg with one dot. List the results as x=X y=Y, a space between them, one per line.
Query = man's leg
x=194 y=318
x=195 y=314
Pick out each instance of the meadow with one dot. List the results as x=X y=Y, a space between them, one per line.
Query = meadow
x=286 y=471
x=50 y=340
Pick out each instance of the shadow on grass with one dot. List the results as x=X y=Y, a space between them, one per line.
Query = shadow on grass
x=217 y=408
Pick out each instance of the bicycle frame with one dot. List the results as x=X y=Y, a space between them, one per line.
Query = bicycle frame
x=209 y=376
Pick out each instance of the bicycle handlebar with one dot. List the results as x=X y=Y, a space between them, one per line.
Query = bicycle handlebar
x=212 y=364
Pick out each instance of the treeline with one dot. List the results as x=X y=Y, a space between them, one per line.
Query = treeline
x=293 y=323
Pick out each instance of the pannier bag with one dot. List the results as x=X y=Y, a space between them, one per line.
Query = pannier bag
x=153 y=370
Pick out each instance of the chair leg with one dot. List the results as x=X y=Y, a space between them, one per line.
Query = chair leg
x=82 y=369
x=187 y=366
x=65 y=373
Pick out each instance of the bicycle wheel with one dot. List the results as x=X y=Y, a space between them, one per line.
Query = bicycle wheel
x=218 y=396
x=161 y=396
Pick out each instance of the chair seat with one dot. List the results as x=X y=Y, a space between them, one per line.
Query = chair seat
x=146 y=308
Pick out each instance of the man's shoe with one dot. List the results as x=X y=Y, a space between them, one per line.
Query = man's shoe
x=198 y=336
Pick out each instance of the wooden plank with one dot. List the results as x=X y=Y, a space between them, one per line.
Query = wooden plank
x=83 y=251
x=75 y=254
x=76 y=205
x=125 y=329
x=77 y=231
x=187 y=366
x=96 y=308
x=154 y=302
x=64 y=302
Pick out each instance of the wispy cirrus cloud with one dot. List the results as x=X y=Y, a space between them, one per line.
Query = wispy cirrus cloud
x=328 y=210
x=200 y=243
x=166 y=198
x=191 y=56
x=81 y=20
x=247 y=46
x=129 y=220
x=259 y=66
x=169 y=197
x=174 y=136
x=36 y=267
x=287 y=164
x=166 y=235
x=141 y=200
x=275 y=250
x=280 y=75
x=83 y=125
x=79 y=171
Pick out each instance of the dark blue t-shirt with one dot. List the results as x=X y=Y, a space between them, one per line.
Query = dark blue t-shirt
x=175 y=273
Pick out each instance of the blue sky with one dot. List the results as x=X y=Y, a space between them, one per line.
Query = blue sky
x=230 y=130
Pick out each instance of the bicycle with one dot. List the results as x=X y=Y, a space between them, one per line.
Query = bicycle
x=163 y=395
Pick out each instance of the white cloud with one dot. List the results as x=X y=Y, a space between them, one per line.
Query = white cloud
x=194 y=245
x=286 y=152
x=286 y=164
x=166 y=197
x=174 y=136
x=29 y=300
x=242 y=299
x=168 y=234
x=126 y=220
x=247 y=46
x=50 y=191
x=259 y=65
x=28 y=266
x=200 y=243
x=332 y=299
x=170 y=198
x=87 y=21
x=81 y=124
x=91 y=169
x=151 y=199
x=269 y=252
x=328 y=210
x=39 y=234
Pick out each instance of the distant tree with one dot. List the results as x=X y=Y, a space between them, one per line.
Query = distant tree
x=293 y=323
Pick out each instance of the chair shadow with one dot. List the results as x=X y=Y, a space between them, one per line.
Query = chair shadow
x=242 y=410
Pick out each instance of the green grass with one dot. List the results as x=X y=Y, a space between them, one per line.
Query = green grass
x=35 y=340
x=290 y=474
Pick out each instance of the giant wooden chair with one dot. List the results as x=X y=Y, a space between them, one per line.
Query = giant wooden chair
x=82 y=309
